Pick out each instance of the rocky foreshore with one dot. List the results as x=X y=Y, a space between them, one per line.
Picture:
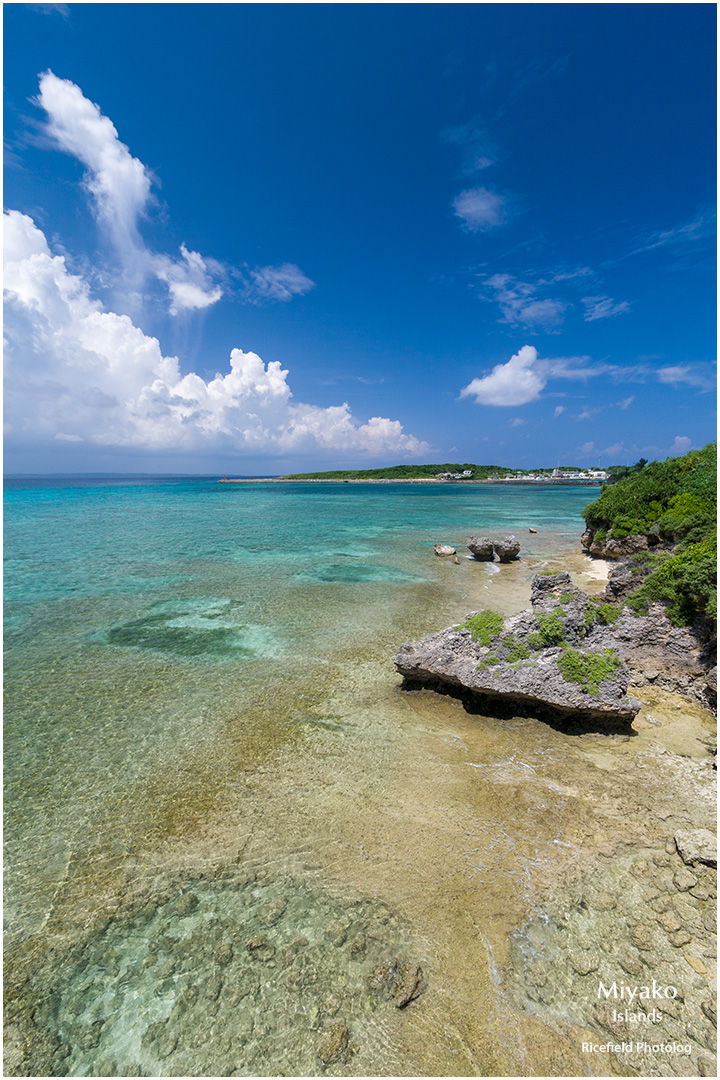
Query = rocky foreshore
x=569 y=657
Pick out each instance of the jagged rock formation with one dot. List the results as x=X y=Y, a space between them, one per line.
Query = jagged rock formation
x=531 y=662
x=444 y=549
x=616 y=549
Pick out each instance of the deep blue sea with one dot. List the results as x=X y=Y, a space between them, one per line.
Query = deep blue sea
x=200 y=700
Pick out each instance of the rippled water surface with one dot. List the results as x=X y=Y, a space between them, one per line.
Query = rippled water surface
x=223 y=817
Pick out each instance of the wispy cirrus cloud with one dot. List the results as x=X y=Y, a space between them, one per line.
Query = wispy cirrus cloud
x=521 y=303
x=679 y=374
x=700 y=228
x=276 y=283
x=479 y=151
x=603 y=307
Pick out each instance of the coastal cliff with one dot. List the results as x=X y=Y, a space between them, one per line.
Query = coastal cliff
x=571 y=656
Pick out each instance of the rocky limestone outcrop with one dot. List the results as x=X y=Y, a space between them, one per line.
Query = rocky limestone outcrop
x=697 y=846
x=609 y=548
x=507 y=549
x=547 y=660
x=444 y=550
x=481 y=548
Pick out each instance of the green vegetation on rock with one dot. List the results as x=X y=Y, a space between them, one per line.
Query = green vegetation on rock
x=518 y=652
x=675 y=502
x=684 y=582
x=488 y=661
x=483 y=626
x=675 y=497
x=606 y=614
x=551 y=631
x=588 y=669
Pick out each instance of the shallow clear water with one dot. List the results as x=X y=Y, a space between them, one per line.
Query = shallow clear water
x=199 y=682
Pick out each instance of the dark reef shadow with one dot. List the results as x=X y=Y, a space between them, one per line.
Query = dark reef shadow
x=477 y=704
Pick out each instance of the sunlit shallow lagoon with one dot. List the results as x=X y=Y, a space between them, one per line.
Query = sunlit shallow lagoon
x=222 y=813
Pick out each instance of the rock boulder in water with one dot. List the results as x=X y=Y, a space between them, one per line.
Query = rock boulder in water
x=507 y=549
x=481 y=548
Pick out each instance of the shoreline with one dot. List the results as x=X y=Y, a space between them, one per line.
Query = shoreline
x=409 y=480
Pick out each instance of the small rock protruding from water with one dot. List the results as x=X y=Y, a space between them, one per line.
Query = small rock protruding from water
x=481 y=548
x=507 y=549
x=444 y=549
x=334 y=1045
x=397 y=981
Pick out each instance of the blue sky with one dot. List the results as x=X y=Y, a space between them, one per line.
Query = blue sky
x=250 y=238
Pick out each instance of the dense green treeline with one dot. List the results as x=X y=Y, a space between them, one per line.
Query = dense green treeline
x=422 y=472
x=402 y=472
x=674 y=504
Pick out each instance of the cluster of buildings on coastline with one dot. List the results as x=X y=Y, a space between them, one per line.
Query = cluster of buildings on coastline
x=580 y=475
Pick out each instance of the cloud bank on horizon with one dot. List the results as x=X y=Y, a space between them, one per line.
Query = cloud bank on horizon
x=78 y=373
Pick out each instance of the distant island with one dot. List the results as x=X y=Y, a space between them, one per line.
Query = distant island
x=454 y=472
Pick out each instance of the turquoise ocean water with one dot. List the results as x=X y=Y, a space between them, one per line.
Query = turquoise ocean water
x=200 y=701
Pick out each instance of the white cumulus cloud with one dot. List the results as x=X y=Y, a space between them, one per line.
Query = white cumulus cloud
x=77 y=372
x=120 y=188
x=514 y=383
x=525 y=375
x=681 y=445
x=188 y=279
x=118 y=182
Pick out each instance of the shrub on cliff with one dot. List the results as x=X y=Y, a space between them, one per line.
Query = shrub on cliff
x=676 y=501
x=677 y=495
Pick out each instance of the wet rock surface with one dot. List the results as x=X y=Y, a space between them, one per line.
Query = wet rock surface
x=221 y=976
